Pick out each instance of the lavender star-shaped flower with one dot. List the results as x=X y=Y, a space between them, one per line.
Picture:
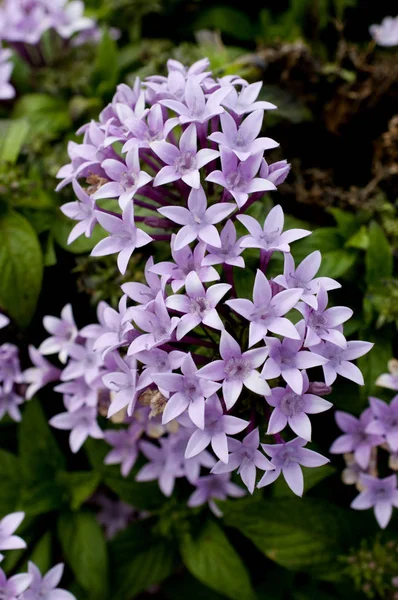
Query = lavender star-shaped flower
x=81 y=423
x=125 y=446
x=123 y=384
x=198 y=220
x=266 y=311
x=141 y=293
x=9 y=541
x=214 y=487
x=12 y=588
x=355 y=437
x=45 y=587
x=338 y=360
x=83 y=210
x=379 y=494
x=230 y=251
x=245 y=101
x=38 y=376
x=385 y=421
x=63 y=334
x=236 y=369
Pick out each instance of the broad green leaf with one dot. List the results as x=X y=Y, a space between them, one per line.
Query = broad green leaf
x=138 y=561
x=13 y=134
x=11 y=481
x=379 y=260
x=301 y=534
x=104 y=78
x=21 y=267
x=78 y=486
x=324 y=239
x=336 y=263
x=212 y=559
x=227 y=20
x=47 y=115
x=42 y=553
x=347 y=222
x=84 y=547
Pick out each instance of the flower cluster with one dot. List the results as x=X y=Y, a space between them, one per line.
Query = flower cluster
x=31 y=585
x=181 y=158
x=377 y=427
x=385 y=34
x=11 y=378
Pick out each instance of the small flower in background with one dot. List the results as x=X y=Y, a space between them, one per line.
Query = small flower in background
x=113 y=515
x=385 y=34
x=389 y=380
x=379 y=494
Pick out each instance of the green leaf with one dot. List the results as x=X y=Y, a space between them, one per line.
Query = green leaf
x=139 y=560
x=301 y=534
x=336 y=263
x=212 y=559
x=11 y=481
x=84 y=547
x=13 y=134
x=78 y=486
x=104 y=78
x=347 y=222
x=379 y=260
x=227 y=20
x=21 y=267
x=42 y=553
x=47 y=115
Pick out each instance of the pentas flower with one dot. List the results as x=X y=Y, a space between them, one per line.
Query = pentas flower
x=230 y=251
x=63 y=334
x=389 y=380
x=166 y=464
x=245 y=101
x=9 y=403
x=183 y=162
x=114 y=330
x=45 y=587
x=216 y=428
x=385 y=34
x=293 y=409
x=271 y=236
x=84 y=211
x=303 y=277
x=81 y=423
x=266 y=311
x=79 y=393
x=185 y=261
x=6 y=89
x=84 y=362
x=276 y=172
x=125 y=446
x=243 y=140
x=4 y=321
x=236 y=369
x=198 y=221
x=123 y=384
x=124 y=238
x=245 y=458
x=239 y=178
x=384 y=421
x=38 y=376
x=148 y=129
x=10 y=367
x=287 y=458
x=141 y=293
x=157 y=361
x=114 y=515
x=355 y=437
x=338 y=360
x=8 y=525
x=286 y=359
x=12 y=588
x=198 y=305
x=214 y=487
x=321 y=323
x=189 y=393
x=125 y=179
x=379 y=494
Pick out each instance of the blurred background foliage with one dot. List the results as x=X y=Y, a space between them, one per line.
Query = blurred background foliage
x=337 y=123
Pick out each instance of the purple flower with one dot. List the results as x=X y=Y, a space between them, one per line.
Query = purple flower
x=141 y=293
x=155 y=321
x=287 y=359
x=166 y=463
x=321 y=323
x=236 y=369
x=245 y=457
x=6 y=89
x=338 y=360
x=84 y=363
x=38 y=376
x=10 y=368
x=158 y=361
x=12 y=588
x=243 y=140
x=114 y=515
x=63 y=334
x=146 y=131
x=276 y=173
x=115 y=331
x=199 y=305
x=217 y=427
x=239 y=178
x=183 y=162
x=125 y=179
x=303 y=277
x=197 y=109
x=214 y=487
x=81 y=423
x=124 y=238
x=186 y=261
x=83 y=211
x=381 y=494
x=385 y=421
x=355 y=437
x=8 y=525
x=287 y=458
x=45 y=588
x=125 y=446
x=123 y=385
x=9 y=402
x=79 y=393
x=385 y=34
x=292 y=409
x=4 y=321
x=189 y=393
x=389 y=380
x=230 y=250
x=197 y=220
x=245 y=101
x=266 y=311
x=270 y=236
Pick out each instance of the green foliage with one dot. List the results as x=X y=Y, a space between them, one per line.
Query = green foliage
x=211 y=558
x=21 y=267
x=13 y=134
